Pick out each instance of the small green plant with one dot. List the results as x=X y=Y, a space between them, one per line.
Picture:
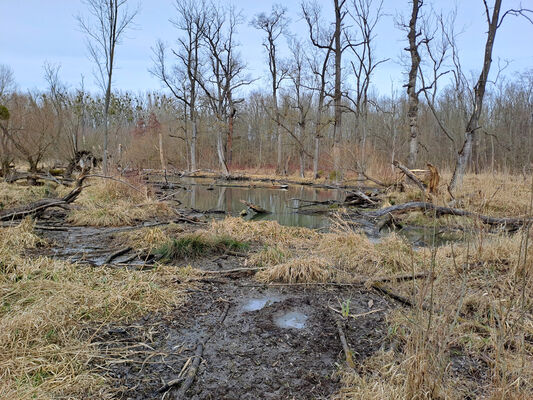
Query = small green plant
x=345 y=308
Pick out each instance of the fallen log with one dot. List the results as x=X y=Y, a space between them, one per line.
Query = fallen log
x=255 y=207
x=358 y=197
x=36 y=176
x=410 y=175
x=37 y=208
x=117 y=253
x=440 y=211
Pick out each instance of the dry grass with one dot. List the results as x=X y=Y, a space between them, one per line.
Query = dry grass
x=48 y=306
x=479 y=306
x=264 y=232
x=495 y=195
x=298 y=270
x=110 y=203
x=13 y=195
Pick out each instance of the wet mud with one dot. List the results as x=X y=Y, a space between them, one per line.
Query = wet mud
x=275 y=343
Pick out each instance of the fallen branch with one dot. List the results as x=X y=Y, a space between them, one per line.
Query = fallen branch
x=347 y=351
x=117 y=253
x=410 y=175
x=198 y=356
x=234 y=271
x=255 y=207
x=440 y=211
x=37 y=208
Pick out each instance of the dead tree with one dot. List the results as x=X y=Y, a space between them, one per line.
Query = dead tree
x=225 y=73
x=340 y=41
x=319 y=63
x=274 y=25
x=494 y=21
x=190 y=21
x=110 y=18
x=412 y=92
x=301 y=100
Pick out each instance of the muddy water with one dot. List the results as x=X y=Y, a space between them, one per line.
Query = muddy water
x=205 y=194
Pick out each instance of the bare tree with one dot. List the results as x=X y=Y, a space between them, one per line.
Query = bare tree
x=301 y=99
x=412 y=93
x=104 y=29
x=225 y=74
x=274 y=25
x=320 y=63
x=7 y=86
x=366 y=16
x=338 y=44
x=494 y=21
x=182 y=78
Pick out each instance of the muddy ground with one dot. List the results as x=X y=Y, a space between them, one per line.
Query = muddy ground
x=275 y=342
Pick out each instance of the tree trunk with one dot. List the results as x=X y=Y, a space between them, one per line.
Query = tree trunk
x=316 y=154
x=412 y=113
x=193 y=144
x=479 y=92
x=161 y=151
x=220 y=152
x=337 y=96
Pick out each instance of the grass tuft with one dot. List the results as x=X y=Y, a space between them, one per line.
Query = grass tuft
x=299 y=270
x=196 y=245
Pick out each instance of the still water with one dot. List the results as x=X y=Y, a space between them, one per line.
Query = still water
x=205 y=194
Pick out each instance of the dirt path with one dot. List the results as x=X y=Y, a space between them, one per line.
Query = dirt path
x=274 y=343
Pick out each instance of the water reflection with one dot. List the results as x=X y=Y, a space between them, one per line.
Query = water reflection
x=202 y=194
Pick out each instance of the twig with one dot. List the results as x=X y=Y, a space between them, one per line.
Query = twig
x=235 y=270
x=347 y=351
x=197 y=357
x=117 y=253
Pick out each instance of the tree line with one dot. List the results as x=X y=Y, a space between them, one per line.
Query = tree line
x=320 y=115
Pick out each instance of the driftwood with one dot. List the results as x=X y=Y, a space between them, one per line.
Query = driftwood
x=410 y=175
x=38 y=207
x=440 y=211
x=255 y=207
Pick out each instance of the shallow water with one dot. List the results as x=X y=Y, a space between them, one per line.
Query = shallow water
x=259 y=303
x=205 y=194
x=291 y=320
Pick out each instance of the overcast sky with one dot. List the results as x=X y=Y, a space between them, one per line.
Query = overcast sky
x=33 y=32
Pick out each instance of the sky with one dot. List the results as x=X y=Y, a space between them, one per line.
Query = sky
x=33 y=32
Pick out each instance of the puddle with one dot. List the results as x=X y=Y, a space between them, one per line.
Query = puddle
x=292 y=319
x=258 y=304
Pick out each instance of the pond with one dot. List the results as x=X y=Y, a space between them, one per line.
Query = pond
x=206 y=194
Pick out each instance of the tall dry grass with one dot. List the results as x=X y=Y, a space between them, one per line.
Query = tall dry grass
x=111 y=203
x=50 y=311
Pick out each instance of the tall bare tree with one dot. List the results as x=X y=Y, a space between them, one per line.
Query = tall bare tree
x=412 y=93
x=7 y=86
x=225 y=75
x=105 y=26
x=182 y=79
x=274 y=25
x=494 y=21
x=366 y=15
x=338 y=44
x=320 y=63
